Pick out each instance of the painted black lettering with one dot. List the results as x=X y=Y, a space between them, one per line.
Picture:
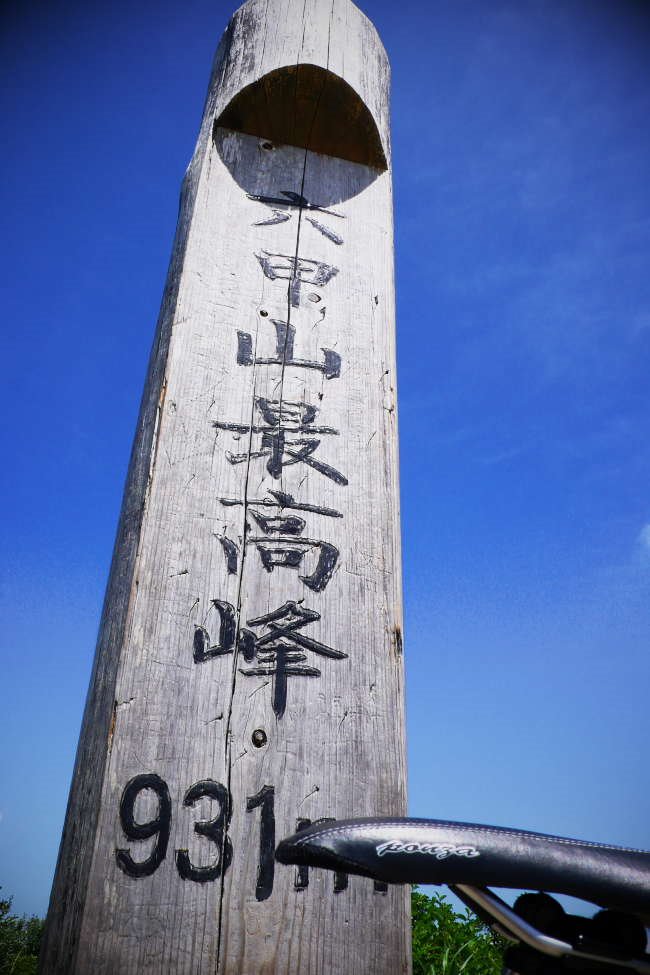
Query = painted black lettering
x=340 y=882
x=289 y=553
x=301 y=881
x=265 y=799
x=159 y=827
x=325 y=231
x=203 y=650
x=231 y=552
x=297 y=271
x=282 y=500
x=279 y=651
x=213 y=829
x=285 y=335
x=291 y=199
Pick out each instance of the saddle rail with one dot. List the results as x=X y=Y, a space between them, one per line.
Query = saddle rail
x=471 y=858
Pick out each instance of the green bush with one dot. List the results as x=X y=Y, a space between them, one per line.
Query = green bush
x=444 y=942
x=448 y=943
x=20 y=942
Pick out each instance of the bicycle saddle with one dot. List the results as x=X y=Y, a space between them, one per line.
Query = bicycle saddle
x=470 y=858
x=426 y=851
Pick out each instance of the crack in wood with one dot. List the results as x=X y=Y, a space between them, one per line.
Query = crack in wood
x=233 y=679
x=218 y=717
x=156 y=438
x=313 y=792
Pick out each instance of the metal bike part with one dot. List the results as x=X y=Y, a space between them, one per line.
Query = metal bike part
x=515 y=926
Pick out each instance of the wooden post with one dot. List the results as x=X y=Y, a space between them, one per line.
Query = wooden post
x=248 y=676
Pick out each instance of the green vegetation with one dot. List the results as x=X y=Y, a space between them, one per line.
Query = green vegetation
x=444 y=942
x=20 y=941
x=448 y=943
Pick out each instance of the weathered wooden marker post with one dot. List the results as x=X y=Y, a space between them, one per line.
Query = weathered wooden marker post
x=248 y=676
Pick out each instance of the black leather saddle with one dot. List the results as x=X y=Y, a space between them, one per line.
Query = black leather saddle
x=470 y=858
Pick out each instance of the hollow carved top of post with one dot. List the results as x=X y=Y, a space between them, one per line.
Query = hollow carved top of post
x=325 y=88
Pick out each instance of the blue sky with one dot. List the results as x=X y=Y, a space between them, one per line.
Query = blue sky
x=521 y=161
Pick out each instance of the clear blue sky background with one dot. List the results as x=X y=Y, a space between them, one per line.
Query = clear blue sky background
x=522 y=188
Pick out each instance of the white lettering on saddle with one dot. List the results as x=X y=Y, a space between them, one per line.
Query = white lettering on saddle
x=441 y=851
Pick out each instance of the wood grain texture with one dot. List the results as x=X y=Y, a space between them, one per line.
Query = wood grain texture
x=251 y=634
